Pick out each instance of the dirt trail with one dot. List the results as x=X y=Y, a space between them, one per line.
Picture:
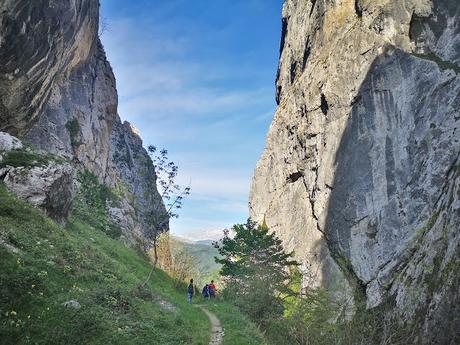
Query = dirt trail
x=217 y=333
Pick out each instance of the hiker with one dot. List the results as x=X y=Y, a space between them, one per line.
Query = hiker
x=212 y=289
x=205 y=291
x=190 y=291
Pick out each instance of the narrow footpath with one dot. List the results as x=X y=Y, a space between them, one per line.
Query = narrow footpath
x=217 y=333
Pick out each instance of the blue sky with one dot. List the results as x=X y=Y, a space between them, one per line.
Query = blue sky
x=197 y=78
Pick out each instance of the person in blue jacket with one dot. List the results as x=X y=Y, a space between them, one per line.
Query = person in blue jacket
x=205 y=291
x=190 y=291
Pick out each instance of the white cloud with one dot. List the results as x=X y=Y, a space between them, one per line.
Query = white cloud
x=204 y=234
x=148 y=42
x=199 y=101
x=209 y=234
x=265 y=116
x=221 y=204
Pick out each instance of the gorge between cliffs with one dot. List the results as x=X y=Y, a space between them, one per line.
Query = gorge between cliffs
x=358 y=179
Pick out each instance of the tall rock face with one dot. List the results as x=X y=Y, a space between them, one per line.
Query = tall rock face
x=58 y=91
x=360 y=171
x=131 y=165
x=78 y=118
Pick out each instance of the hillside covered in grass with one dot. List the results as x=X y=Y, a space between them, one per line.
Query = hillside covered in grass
x=77 y=285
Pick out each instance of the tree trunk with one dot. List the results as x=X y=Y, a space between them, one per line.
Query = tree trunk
x=155 y=252
x=155 y=259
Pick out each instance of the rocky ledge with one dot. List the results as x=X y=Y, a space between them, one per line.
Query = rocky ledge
x=37 y=177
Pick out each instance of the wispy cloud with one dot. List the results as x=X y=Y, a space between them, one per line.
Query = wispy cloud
x=208 y=234
x=199 y=101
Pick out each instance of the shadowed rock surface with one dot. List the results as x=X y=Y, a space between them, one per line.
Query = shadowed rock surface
x=131 y=164
x=360 y=171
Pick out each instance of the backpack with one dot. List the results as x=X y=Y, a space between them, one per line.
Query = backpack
x=190 y=289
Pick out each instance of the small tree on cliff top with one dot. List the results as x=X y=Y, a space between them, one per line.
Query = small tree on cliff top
x=172 y=196
x=255 y=268
x=171 y=193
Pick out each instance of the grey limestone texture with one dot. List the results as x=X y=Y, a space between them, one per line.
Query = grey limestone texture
x=360 y=171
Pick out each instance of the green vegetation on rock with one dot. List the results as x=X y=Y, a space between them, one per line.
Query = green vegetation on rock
x=92 y=201
x=442 y=64
x=27 y=158
x=74 y=129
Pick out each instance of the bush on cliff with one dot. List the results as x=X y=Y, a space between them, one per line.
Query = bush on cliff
x=92 y=201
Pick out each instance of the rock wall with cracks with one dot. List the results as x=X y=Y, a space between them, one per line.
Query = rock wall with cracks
x=360 y=171
x=58 y=91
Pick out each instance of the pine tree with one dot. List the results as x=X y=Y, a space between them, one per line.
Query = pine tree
x=255 y=268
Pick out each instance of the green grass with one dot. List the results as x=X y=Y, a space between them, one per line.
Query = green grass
x=91 y=203
x=54 y=265
x=239 y=330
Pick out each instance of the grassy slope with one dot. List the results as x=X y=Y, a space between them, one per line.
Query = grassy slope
x=56 y=264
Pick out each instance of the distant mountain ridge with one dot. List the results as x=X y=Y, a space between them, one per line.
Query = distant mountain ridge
x=205 y=242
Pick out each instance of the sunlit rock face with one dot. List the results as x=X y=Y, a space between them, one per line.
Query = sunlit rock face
x=58 y=91
x=360 y=171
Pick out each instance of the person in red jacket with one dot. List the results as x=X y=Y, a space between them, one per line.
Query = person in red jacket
x=212 y=289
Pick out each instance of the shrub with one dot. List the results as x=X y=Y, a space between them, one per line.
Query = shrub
x=73 y=127
x=92 y=202
x=27 y=158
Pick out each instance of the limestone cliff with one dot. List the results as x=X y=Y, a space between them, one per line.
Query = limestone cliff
x=360 y=171
x=58 y=91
